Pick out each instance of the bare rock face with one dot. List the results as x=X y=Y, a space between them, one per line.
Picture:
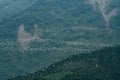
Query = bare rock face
x=24 y=38
x=102 y=6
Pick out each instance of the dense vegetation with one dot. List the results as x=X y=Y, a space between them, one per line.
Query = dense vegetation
x=101 y=64
x=68 y=27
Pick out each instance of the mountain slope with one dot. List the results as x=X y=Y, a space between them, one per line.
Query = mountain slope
x=66 y=28
x=101 y=64
x=10 y=7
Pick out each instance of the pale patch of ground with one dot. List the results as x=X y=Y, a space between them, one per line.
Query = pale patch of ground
x=102 y=6
x=24 y=38
x=87 y=28
x=87 y=44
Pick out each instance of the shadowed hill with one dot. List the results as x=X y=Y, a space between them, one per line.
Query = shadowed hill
x=101 y=64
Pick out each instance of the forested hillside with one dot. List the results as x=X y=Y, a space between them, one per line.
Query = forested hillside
x=37 y=33
x=101 y=64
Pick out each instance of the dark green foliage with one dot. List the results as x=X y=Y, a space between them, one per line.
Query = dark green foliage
x=68 y=27
x=101 y=64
